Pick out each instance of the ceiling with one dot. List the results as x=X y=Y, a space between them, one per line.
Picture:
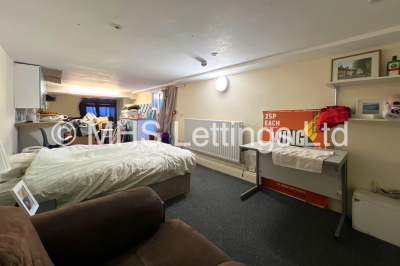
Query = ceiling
x=162 y=41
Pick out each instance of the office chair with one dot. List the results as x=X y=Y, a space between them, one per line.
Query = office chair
x=46 y=142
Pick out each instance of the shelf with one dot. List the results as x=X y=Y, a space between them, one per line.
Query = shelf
x=361 y=82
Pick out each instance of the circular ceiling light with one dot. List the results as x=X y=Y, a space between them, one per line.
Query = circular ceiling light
x=222 y=84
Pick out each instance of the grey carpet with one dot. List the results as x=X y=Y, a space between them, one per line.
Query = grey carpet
x=270 y=228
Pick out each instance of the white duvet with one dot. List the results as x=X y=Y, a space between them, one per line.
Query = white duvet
x=77 y=173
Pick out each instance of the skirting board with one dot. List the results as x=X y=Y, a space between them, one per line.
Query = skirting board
x=236 y=171
x=225 y=168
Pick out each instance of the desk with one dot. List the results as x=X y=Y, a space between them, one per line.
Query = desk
x=332 y=182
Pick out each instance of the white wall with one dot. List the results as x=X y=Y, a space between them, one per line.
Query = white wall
x=374 y=147
x=121 y=105
x=66 y=104
x=8 y=133
x=144 y=98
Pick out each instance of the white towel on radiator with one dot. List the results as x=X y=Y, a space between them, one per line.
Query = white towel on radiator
x=301 y=158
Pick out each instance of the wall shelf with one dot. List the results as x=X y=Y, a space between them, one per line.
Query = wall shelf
x=362 y=82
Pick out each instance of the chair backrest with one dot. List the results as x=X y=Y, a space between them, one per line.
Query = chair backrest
x=45 y=141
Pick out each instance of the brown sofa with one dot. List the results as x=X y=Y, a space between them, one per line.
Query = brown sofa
x=126 y=228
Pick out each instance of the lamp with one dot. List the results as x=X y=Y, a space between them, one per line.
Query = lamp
x=222 y=84
x=4 y=163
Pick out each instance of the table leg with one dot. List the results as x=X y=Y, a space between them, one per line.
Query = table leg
x=258 y=186
x=344 y=200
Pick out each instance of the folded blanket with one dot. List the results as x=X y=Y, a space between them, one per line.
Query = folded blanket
x=301 y=158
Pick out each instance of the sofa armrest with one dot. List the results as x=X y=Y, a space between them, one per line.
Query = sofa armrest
x=99 y=229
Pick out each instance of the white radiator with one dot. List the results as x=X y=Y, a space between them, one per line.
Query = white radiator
x=228 y=133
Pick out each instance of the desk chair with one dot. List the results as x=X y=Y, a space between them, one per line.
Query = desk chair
x=46 y=142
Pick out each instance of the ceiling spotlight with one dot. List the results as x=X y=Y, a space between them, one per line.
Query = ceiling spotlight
x=214 y=54
x=222 y=84
x=116 y=26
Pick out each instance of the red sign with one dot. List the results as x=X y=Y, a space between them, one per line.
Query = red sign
x=296 y=127
x=298 y=193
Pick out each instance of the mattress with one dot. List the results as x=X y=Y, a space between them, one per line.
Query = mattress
x=76 y=173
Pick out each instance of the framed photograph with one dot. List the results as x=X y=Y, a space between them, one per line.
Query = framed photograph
x=359 y=66
x=24 y=198
x=370 y=108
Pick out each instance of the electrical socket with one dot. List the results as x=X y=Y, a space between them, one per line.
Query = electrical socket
x=253 y=157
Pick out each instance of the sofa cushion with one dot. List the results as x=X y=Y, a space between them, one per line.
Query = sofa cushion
x=19 y=242
x=174 y=244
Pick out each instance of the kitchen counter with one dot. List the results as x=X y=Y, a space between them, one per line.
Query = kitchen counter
x=29 y=134
x=23 y=124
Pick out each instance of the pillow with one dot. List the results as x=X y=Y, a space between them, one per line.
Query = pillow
x=19 y=242
x=19 y=163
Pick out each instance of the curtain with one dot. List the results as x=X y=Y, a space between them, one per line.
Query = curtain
x=99 y=107
x=168 y=104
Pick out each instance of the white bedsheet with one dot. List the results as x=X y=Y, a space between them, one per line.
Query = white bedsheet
x=6 y=199
x=76 y=173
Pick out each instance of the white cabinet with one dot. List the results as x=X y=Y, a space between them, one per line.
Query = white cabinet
x=29 y=87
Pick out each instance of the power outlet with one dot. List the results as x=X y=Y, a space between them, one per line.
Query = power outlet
x=253 y=157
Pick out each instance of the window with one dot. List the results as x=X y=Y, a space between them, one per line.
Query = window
x=160 y=98
x=91 y=109
x=157 y=100
x=107 y=111
x=99 y=107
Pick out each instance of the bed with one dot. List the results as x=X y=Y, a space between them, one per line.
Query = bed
x=77 y=173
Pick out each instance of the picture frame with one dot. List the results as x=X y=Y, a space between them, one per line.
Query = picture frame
x=358 y=66
x=24 y=198
x=370 y=108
